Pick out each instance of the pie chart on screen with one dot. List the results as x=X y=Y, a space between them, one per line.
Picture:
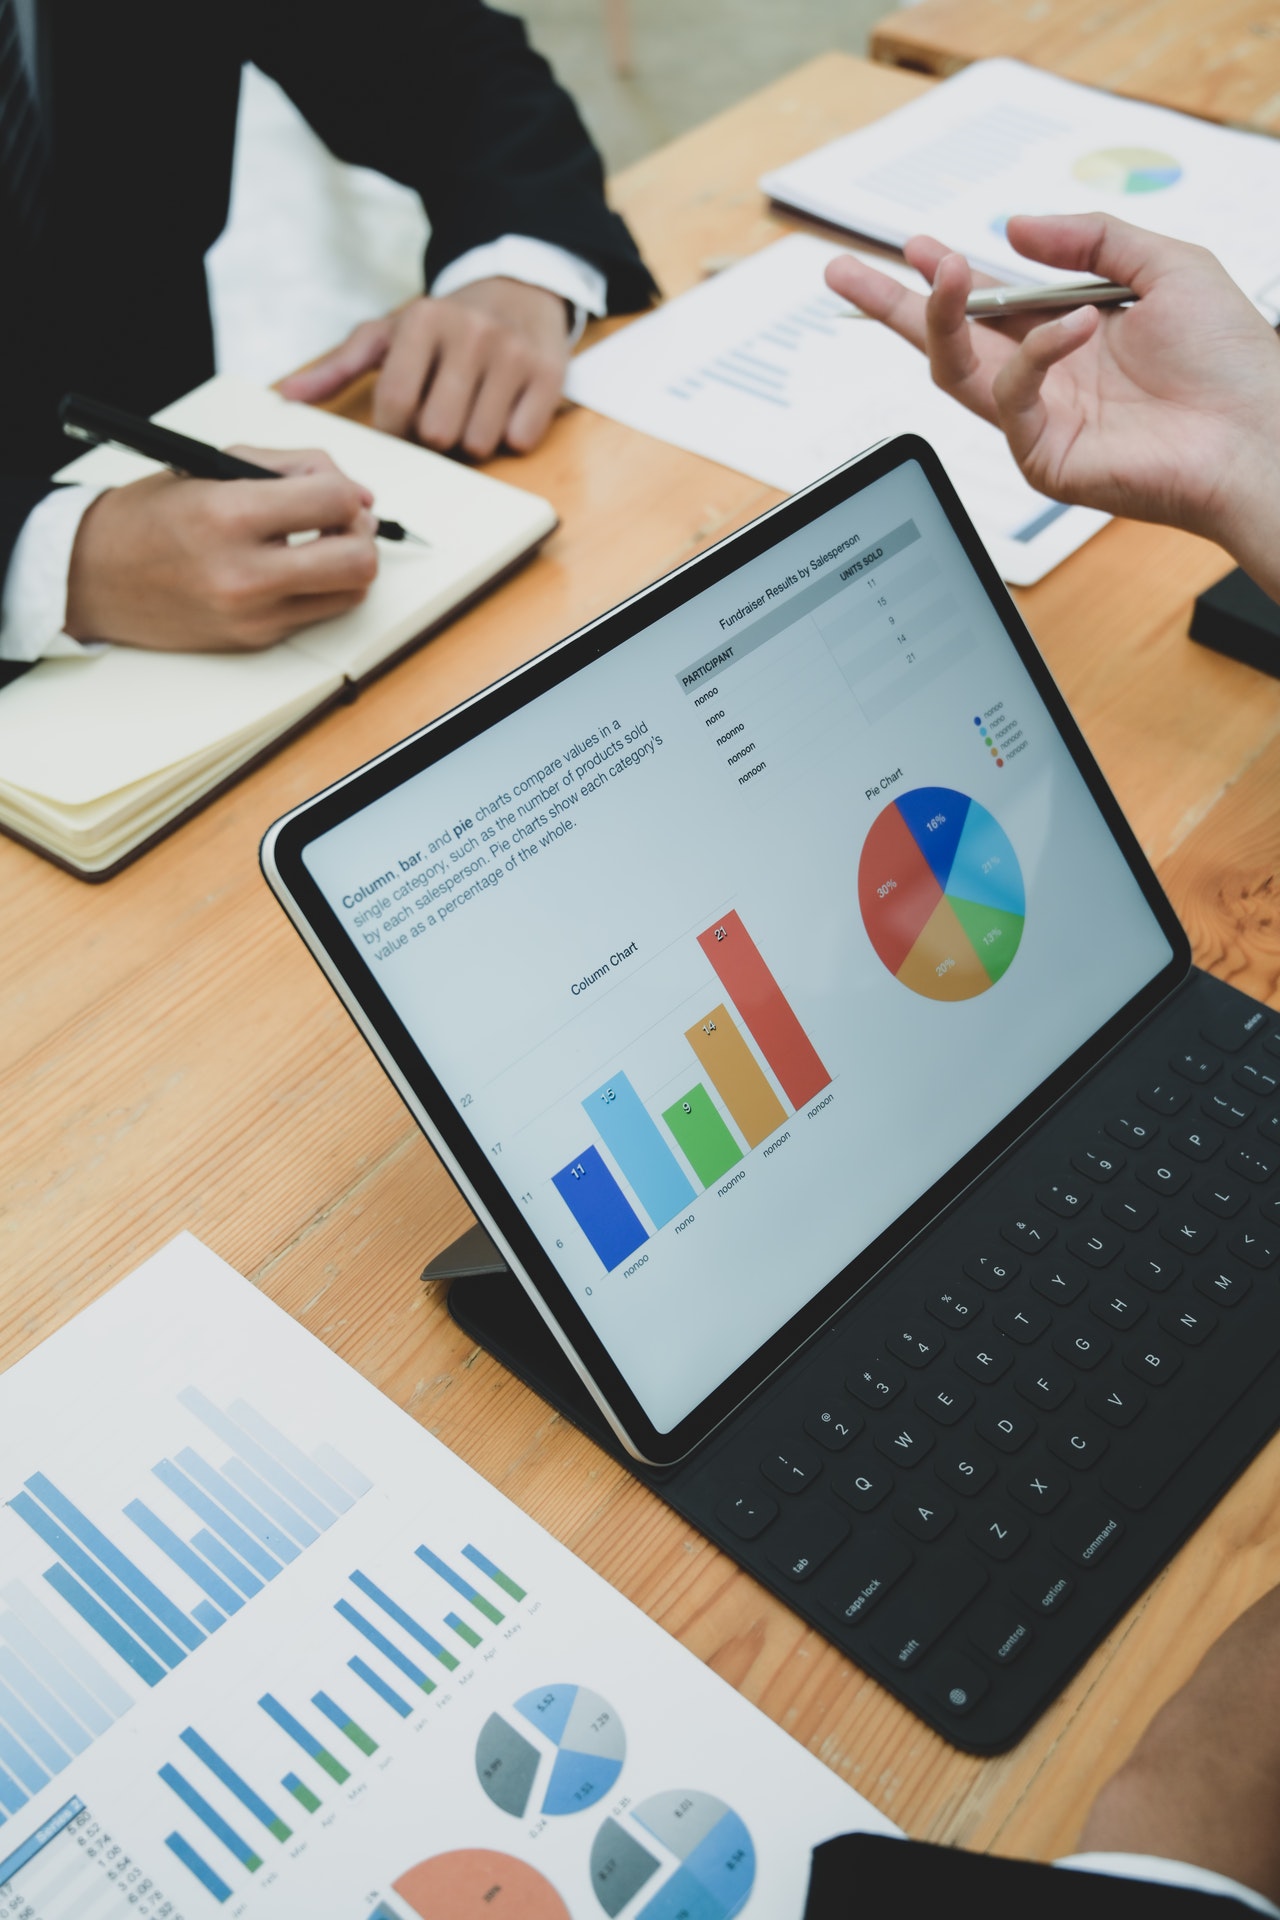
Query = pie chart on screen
x=941 y=894
x=1128 y=170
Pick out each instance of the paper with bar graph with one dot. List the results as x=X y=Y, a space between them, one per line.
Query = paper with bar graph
x=268 y=1648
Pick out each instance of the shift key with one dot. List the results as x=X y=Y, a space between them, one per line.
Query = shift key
x=907 y=1626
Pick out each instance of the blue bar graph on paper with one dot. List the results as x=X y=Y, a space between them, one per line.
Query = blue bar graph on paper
x=203 y=1872
x=64 y=1727
x=219 y=1488
x=108 y=1590
x=115 y=1562
x=170 y=1475
x=385 y=1647
x=65 y=1666
x=283 y=1465
x=269 y=1502
x=234 y=1783
x=402 y=1619
x=105 y=1627
x=211 y=1818
x=376 y=1683
x=460 y=1584
x=631 y=1134
x=222 y=1557
x=182 y=1556
x=601 y=1208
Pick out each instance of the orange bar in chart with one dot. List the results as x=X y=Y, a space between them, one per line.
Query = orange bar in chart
x=765 y=1009
x=735 y=1073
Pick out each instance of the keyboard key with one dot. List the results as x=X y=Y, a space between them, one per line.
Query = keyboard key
x=904 y=1444
x=1222 y=1197
x=1099 y=1159
x=946 y=1401
x=1193 y=1325
x=1255 y=1080
x=1164 y=1174
x=1039 y=1487
x=1166 y=1096
x=747 y=1514
x=915 y=1345
x=1097 y=1248
x=965 y=1470
x=1151 y=1362
x=1230 y=1031
x=862 y=1483
x=806 y=1540
x=1228 y=1109
x=911 y=1622
x=1254 y=1166
x=926 y=1517
x=1186 y=1233
x=984 y=1359
x=956 y=1683
x=1121 y=1307
x=1083 y=1346
x=1061 y=1284
x=1064 y=1198
x=1270 y=1209
x=999 y=1531
x=1005 y=1425
x=875 y=1385
x=1217 y=1283
x=1129 y=1208
x=1132 y=1130
x=1259 y=1251
x=954 y=1307
x=791 y=1468
x=1116 y=1401
x=1088 y=1532
x=1030 y=1233
x=1153 y=1266
x=1044 y=1386
x=1270 y=1128
x=1022 y=1323
x=1197 y=1142
x=1196 y=1066
x=1271 y=1041
x=833 y=1424
x=1044 y=1581
x=993 y=1270
x=1081 y=1445
x=1000 y=1631
x=862 y=1575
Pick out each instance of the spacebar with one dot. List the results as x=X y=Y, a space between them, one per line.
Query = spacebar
x=1136 y=1475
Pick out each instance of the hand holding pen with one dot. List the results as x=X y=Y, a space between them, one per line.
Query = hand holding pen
x=1162 y=409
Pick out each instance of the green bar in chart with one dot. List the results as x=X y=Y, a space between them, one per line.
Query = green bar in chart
x=301 y=1792
x=702 y=1135
x=463 y=1631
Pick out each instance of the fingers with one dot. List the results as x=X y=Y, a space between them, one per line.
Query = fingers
x=456 y=375
x=1098 y=243
x=879 y=295
x=1017 y=389
x=259 y=510
x=295 y=460
x=535 y=409
x=950 y=341
x=363 y=348
x=258 y=595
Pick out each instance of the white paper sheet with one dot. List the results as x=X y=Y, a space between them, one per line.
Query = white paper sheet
x=355 y=1679
x=755 y=369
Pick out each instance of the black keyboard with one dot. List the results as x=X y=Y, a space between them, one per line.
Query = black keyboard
x=967 y=1478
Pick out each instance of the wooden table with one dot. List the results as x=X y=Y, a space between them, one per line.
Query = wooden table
x=170 y=1056
x=1221 y=61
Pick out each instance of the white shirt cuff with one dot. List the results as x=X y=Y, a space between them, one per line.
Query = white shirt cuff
x=33 y=609
x=538 y=264
x=1169 y=1873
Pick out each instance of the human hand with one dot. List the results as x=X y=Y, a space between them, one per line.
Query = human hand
x=1164 y=410
x=1203 y=1783
x=205 y=566
x=478 y=368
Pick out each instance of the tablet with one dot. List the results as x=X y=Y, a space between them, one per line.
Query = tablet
x=720 y=948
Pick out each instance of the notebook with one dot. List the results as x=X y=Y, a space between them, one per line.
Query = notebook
x=777 y=976
x=99 y=756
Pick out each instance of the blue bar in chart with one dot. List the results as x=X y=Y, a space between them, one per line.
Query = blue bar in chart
x=207 y=1614
x=460 y=1585
x=19 y=1762
x=11 y=1795
x=222 y=1557
x=61 y=1724
x=285 y=1467
x=219 y=1488
x=303 y=1738
x=203 y=1872
x=499 y=1578
x=78 y=1562
x=218 y=1827
x=126 y=1572
x=600 y=1208
x=268 y=1501
x=20 y=1720
x=330 y=1461
x=170 y=1475
x=182 y=1556
x=387 y=1648
x=70 y=1672
x=402 y=1619
x=233 y=1782
x=376 y=1684
x=632 y=1137
x=105 y=1627
x=463 y=1631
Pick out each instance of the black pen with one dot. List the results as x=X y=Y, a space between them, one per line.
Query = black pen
x=102 y=425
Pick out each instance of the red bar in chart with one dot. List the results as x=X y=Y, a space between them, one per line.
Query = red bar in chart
x=765 y=1009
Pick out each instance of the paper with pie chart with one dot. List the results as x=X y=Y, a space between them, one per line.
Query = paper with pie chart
x=941 y=894
x=558 y=1752
x=707 y=1843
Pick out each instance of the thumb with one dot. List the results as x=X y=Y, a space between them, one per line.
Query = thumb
x=366 y=347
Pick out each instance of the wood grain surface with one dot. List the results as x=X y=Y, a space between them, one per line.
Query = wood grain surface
x=170 y=1057
x=1221 y=62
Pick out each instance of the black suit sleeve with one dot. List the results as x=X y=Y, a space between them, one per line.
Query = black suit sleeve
x=19 y=493
x=864 y=1876
x=448 y=97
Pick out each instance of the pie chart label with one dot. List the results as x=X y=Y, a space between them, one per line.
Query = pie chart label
x=941 y=894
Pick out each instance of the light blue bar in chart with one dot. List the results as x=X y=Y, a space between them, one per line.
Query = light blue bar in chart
x=338 y=1468
x=182 y=1556
x=115 y=1561
x=268 y=1501
x=20 y=1720
x=20 y=1763
x=47 y=1706
x=226 y=1562
x=203 y=1872
x=620 y=1117
x=11 y=1795
x=170 y=1475
x=250 y=1449
x=105 y=1627
x=64 y=1685
x=208 y=1616
x=219 y=1488
x=109 y=1591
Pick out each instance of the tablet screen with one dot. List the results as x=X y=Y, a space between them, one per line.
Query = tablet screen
x=731 y=943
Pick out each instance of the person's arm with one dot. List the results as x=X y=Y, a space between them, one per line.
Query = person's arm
x=1166 y=410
